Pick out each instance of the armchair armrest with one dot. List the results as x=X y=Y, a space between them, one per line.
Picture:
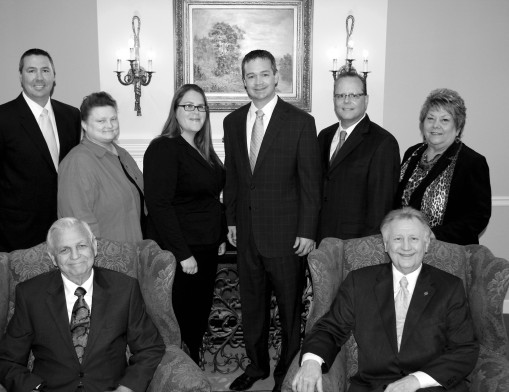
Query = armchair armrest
x=326 y=267
x=4 y=292
x=488 y=288
x=178 y=373
x=491 y=372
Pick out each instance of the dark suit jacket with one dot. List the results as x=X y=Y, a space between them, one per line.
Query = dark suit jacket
x=281 y=199
x=359 y=185
x=469 y=203
x=438 y=337
x=28 y=179
x=182 y=194
x=41 y=324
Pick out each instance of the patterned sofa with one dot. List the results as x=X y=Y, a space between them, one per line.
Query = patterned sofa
x=486 y=280
x=154 y=269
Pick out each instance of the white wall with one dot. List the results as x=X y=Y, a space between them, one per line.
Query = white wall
x=114 y=23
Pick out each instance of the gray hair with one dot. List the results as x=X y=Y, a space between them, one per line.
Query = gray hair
x=63 y=224
x=405 y=213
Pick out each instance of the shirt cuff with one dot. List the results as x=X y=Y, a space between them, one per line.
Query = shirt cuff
x=425 y=380
x=313 y=357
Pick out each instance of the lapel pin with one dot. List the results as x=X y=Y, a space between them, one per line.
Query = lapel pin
x=425 y=293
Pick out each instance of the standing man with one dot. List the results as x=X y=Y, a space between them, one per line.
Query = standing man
x=36 y=133
x=77 y=320
x=411 y=321
x=272 y=198
x=361 y=165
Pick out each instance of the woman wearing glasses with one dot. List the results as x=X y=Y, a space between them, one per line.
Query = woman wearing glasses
x=183 y=181
x=442 y=177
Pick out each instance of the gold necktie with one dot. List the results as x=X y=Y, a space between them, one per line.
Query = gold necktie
x=256 y=139
x=49 y=136
x=401 y=303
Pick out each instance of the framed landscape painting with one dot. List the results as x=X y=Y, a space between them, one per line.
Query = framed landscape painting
x=212 y=37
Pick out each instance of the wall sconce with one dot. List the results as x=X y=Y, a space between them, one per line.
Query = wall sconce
x=137 y=75
x=348 y=67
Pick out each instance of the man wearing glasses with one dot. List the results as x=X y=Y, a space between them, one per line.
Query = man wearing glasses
x=360 y=163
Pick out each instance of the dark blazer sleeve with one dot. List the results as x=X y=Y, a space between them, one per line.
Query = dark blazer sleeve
x=15 y=349
x=383 y=178
x=460 y=348
x=334 y=328
x=469 y=205
x=145 y=344
x=160 y=175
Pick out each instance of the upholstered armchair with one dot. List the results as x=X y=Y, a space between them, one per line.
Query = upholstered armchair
x=486 y=280
x=154 y=269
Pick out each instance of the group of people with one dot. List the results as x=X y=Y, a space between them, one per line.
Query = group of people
x=284 y=189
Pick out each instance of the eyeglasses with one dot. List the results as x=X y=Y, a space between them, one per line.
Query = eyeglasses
x=351 y=97
x=190 y=108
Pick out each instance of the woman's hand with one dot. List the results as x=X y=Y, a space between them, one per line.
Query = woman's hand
x=222 y=249
x=189 y=266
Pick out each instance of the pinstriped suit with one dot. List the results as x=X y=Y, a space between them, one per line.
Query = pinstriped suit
x=270 y=207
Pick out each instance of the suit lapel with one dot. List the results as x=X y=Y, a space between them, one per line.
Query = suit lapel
x=423 y=292
x=64 y=138
x=32 y=130
x=101 y=304
x=273 y=129
x=193 y=154
x=384 y=294
x=58 y=309
x=242 y=138
x=351 y=143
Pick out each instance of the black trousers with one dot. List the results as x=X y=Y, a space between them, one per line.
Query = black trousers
x=258 y=277
x=192 y=296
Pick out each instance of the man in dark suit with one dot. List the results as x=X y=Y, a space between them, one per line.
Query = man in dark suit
x=410 y=320
x=78 y=349
x=272 y=197
x=361 y=170
x=36 y=133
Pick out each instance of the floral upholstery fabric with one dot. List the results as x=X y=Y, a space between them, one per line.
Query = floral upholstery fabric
x=486 y=280
x=154 y=269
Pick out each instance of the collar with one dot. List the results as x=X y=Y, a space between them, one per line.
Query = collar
x=98 y=150
x=36 y=108
x=411 y=277
x=349 y=129
x=70 y=287
x=267 y=109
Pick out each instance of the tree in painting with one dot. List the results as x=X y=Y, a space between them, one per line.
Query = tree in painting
x=286 y=68
x=225 y=41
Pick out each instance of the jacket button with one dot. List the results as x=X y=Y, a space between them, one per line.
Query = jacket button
x=252 y=186
x=82 y=374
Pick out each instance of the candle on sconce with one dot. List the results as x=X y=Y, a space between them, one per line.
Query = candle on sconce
x=119 y=65
x=131 y=53
x=349 y=50
x=150 y=66
x=365 y=55
x=335 y=64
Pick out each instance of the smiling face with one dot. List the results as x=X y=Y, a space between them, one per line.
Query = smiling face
x=191 y=122
x=73 y=252
x=260 y=81
x=349 y=110
x=406 y=241
x=101 y=126
x=439 y=129
x=37 y=78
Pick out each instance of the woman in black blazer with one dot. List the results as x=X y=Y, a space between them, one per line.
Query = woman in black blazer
x=183 y=181
x=442 y=177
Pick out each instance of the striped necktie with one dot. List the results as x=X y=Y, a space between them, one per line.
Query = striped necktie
x=49 y=136
x=256 y=139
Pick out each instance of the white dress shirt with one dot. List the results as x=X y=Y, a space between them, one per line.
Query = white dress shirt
x=425 y=380
x=70 y=288
x=37 y=110
x=268 y=109
x=335 y=139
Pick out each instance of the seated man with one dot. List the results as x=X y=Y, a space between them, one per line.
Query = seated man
x=79 y=344
x=411 y=321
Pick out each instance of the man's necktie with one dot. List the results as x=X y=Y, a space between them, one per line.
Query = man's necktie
x=49 y=136
x=401 y=302
x=342 y=138
x=80 y=323
x=256 y=139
